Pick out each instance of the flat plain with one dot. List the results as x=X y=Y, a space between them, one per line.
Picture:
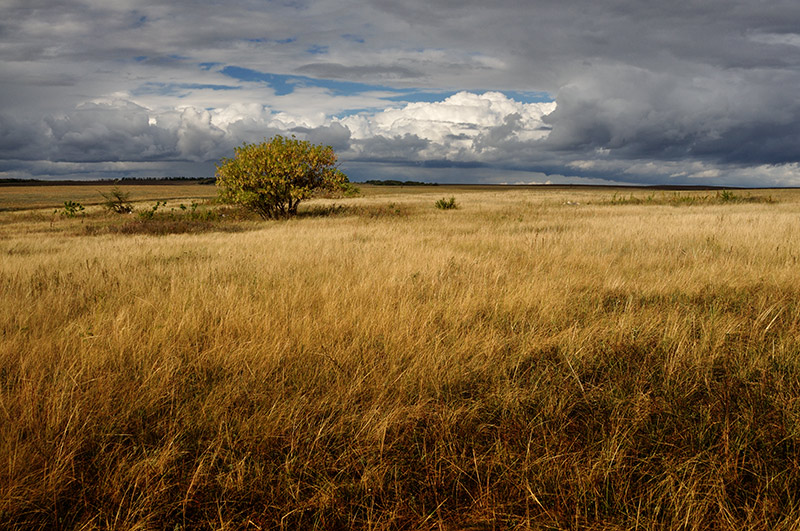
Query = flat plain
x=537 y=358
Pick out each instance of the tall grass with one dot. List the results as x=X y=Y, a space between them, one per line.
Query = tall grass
x=517 y=363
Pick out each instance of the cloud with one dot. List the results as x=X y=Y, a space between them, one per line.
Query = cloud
x=633 y=113
x=20 y=140
x=198 y=138
x=461 y=128
x=696 y=91
x=335 y=135
x=371 y=72
x=475 y=136
x=116 y=131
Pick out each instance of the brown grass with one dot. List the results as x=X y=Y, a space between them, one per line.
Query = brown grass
x=535 y=359
x=53 y=196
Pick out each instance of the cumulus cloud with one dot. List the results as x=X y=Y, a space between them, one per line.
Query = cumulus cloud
x=464 y=127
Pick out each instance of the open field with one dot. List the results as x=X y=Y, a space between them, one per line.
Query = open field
x=535 y=359
x=52 y=196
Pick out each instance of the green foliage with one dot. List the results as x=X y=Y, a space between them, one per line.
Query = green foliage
x=273 y=177
x=350 y=190
x=150 y=212
x=194 y=213
x=728 y=196
x=72 y=209
x=446 y=204
x=117 y=201
x=631 y=200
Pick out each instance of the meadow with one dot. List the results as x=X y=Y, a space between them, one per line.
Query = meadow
x=537 y=358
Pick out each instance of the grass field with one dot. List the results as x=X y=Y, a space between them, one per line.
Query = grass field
x=538 y=358
x=53 y=196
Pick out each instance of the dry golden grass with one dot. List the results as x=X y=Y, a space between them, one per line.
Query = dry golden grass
x=535 y=359
x=53 y=196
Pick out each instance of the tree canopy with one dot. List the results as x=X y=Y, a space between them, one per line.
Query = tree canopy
x=274 y=176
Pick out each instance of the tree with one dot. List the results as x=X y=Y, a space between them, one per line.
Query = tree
x=271 y=178
x=117 y=201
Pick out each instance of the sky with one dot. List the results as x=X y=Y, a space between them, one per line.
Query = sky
x=692 y=92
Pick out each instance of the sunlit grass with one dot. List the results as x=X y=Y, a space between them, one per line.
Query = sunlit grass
x=532 y=359
x=53 y=196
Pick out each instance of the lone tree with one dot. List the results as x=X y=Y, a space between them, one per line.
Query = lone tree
x=271 y=178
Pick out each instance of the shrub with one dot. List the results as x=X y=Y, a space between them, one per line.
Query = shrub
x=350 y=190
x=273 y=177
x=446 y=204
x=72 y=209
x=150 y=212
x=194 y=213
x=117 y=201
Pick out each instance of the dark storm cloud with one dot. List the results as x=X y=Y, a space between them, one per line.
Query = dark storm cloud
x=20 y=140
x=105 y=132
x=721 y=117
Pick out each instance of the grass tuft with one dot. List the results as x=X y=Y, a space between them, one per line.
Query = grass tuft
x=688 y=198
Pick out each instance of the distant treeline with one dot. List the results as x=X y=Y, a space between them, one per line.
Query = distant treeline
x=127 y=180
x=391 y=182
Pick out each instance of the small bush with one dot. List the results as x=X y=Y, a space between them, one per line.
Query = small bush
x=193 y=213
x=727 y=196
x=446 y=204
x=72 y=209
x=117 y=201
x=350 y=190
x=150 y=212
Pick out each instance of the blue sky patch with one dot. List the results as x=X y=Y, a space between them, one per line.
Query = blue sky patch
x=264 y=40
x=284 y=84
x=279 y=83
x=353 y=38
x=317 y=49
x=416 y=96
x=529 y=96
x=140 y=20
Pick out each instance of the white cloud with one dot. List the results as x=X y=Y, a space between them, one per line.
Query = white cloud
x=458 y=127
x=198 y=138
